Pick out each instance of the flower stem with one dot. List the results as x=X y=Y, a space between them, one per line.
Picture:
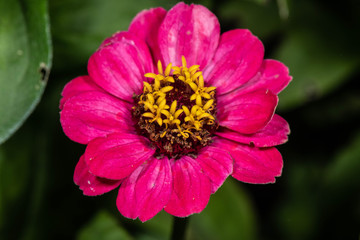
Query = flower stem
x=179 y=228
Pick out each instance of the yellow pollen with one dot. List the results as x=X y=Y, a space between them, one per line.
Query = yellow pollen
x=177 y=119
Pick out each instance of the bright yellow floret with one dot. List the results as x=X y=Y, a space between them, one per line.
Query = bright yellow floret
x=155 y=94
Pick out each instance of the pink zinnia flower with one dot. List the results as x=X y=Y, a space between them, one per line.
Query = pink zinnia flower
x=170 y=136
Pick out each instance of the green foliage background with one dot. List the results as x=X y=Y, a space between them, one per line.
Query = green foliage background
x=318 y=195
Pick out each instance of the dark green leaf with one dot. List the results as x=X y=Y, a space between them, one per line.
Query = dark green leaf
x=105 y=227
x=22 y=183
x=262 y=19
x=315 y=69
x=229 y=215
x=158 y=227
x=79 y=32
x=25 y=59
x=296 y=217
x=343 y=173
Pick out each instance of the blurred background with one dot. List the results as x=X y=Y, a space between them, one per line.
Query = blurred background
x=318 y=194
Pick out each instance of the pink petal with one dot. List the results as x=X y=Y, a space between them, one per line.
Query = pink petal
x=90 y=184
x=252 y=164
x=217 y=164
x=117 y=155
x=146 y=191
x=78 y=85
x=191 y=188
x=146 y=25
x=246 y=113
x=191 y=31
x=237 y=59
x=119 y=65
x=273 y=75
x=94 y=114
x=275 y=133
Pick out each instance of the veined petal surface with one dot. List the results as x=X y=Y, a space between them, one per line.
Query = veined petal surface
x=246 y=113
x=117 y=155
x=252 y=164
x=93 y=114
x=146 y=26
x=191 y=31
x=90 y=184
x=273 y=75
x=274 y=133
x=191 y=188
x=217 y=164
x=146 y=191
x=119 y=65
x=237 y=59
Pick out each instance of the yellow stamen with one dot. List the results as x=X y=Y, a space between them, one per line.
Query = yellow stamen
x=177 y=70
x=150 y=98
x=198 y=100
x=183 y=61
x=147 y=86
x=168 y=69
x=159 y=121
x=156 y=84
x=160 y=99
x=186 y=110
x=206 y=115
x=163 y=134
x=173 y=107
x=150 y=75
x=209 y=89
x=170 y=79
x=194 y=109
x=194 y=68
x=166 y=89
x=172 y=115
x=208 y=104
x=196 y=75
x=148 y=114
x=177 y=113
x=149 y=106
x=154 y=100
x=193 y=86
x=160 y=69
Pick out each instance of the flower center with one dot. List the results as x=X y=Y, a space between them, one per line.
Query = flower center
x=176 y=111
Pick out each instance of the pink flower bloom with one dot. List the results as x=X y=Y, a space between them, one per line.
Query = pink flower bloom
x=169 y=137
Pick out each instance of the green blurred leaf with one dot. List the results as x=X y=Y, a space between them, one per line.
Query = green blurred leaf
x=14 y=170
x=261 y=17
x=283 y=8
x=14 y=180
x=79 y=32
x=105 y=227
x=25 y=59
x=316 y=69
x=157 y=228
x=229 y=215
x=22 y=183
x=297 y=216
x=334 y=110
x=2 y=206
x=343 y=173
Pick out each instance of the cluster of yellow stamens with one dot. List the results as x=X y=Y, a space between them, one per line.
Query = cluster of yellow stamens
x=176 y=111
x=161 y=98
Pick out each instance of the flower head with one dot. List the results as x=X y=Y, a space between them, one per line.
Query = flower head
x=170 y=109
